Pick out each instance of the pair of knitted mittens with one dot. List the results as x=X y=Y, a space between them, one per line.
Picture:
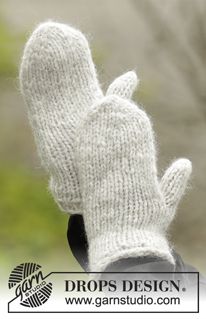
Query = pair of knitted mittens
x=98 y=149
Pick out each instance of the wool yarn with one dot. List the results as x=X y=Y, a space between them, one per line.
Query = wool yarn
x=59 y=83
x=127 y=210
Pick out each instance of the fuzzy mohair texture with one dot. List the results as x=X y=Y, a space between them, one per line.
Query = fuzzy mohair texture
x=127 y=210
x=59 y=83
x=98 y=149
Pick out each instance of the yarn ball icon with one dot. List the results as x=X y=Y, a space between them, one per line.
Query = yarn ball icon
x=30 y=286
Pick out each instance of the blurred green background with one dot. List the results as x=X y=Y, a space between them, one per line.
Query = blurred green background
x=165 y=41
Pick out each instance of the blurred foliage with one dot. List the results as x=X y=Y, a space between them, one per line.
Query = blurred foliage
x=99 y=57
x=32 y=226
x=7 y=64
x=31 y=223
x=9 y=47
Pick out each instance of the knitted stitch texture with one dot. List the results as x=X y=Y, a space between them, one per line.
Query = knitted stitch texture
x=127 y=210
x=59 y=83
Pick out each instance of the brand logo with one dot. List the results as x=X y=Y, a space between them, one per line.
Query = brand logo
x=30 y=285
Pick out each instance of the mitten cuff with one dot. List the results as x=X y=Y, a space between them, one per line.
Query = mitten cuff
x=110 y=247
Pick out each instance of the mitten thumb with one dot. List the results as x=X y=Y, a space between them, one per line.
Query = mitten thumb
x=174 y=182
x=124 y=86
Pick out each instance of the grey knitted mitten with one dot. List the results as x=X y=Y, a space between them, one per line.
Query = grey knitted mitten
x=59 y=83
x=127 y=210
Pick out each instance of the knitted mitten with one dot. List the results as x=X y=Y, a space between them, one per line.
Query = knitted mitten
x=127 y=210
x=59 y=83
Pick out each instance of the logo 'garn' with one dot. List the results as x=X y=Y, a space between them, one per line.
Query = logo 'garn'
x=30 y=285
